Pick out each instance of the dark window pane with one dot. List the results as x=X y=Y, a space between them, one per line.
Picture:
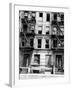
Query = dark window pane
x=54 y=43
x=25 y=27
x=62 y=17
x=47 y=32
x=40 y=14
x=39 y=32
x=22 y=43
x=47 y=41
x=47 y=44
x=48 y=17
x=55 y=16
x=31 y=42
x=22 y=20
x=39 y=43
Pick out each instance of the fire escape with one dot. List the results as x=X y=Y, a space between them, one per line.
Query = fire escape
x=27 y=33
x=27 y=37
x=58 y=41
x=59 y=36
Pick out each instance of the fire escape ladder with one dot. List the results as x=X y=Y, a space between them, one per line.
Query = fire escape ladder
x=59 y=40
x=25 y=37
x=59 y=30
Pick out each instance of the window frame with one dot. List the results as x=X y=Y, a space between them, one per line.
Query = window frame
x=47 y=43
x=39 y=43
x=40 y=14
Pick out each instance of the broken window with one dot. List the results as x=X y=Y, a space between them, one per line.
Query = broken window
x=40 y=14
x=48 y=17
x=39 y=43
x=37 y=58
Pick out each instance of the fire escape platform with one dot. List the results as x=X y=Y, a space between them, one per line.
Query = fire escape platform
x=59 y=36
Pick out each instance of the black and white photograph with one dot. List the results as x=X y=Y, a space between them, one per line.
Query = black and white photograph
x=41 y=42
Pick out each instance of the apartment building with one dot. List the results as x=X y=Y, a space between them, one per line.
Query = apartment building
x=41 y=44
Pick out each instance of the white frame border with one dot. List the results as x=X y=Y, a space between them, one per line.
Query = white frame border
x=14 y=69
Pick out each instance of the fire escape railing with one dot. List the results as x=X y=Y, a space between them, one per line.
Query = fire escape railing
x=60 y=31
x=27 y=33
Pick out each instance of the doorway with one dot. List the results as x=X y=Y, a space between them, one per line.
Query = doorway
x=59 y=64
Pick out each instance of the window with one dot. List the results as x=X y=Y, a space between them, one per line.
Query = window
x=59 y=63
x=40 y=14
x=47 y=43
x=54 y=43
x=39 y=32
x=55 y=16
x=39 y=27
x=48 y=17
x=33 y=14
x=48 y=60
x=54 y=31
x=47 y=29
x=23 y=43
x=37 y=58
x=39 y=43
x=62 y=17
x=25 y=27
x=31 y=42
x=32 y=27
x=47 y=32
